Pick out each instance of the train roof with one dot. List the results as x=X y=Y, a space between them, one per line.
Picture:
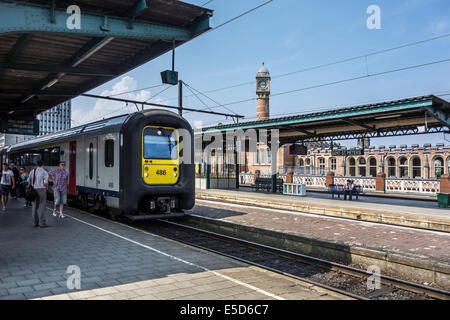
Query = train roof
x=102 y=126
x=108 y=125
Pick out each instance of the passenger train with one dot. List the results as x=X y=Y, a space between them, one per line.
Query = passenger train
x=129 y=165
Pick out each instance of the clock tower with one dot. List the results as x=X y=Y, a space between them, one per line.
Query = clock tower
x=262 y=93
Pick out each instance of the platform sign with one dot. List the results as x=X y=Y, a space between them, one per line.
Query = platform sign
x=344 y=152
x=15 y=126
x=298 y=150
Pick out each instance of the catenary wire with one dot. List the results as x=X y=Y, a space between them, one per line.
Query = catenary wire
x=332 y=63
x=340 y=81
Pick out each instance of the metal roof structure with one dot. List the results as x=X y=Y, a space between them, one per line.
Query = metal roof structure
x=419 y=115
x=47 y=58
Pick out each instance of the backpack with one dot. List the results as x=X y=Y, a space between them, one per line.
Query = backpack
x=31 y=193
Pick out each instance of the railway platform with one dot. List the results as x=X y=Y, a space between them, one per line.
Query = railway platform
x=403 y=212
x=331 y=229
x=118 y=261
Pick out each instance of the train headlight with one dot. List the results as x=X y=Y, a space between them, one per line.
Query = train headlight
x=146 y=174
x=175 y=175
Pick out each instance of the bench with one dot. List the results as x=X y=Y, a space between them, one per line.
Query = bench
x=266 y=184
x=338 y=189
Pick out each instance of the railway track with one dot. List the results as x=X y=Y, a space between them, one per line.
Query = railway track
x=345 y=280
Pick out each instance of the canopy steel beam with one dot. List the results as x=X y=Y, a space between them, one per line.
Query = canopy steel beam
x=297 y=129
x=440 y=114
x=55 y=68
x=19 y=46
x=37 y=92
x=355 y=123
x=35 y=19
x=81 y=55
x=365 y=134
x=138 y=7
x=17 y=49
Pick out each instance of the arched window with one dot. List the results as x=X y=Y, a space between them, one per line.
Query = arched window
x=438 y=167
x=362 y=167
x=373 y=167
x=308 y=166
x=300 y=166
x=333 y=164
x=417 y=167
x=321 y=165
x=403 y=165
x=352 y=167
x=392 y=170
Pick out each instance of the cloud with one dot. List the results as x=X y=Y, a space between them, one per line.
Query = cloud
x=106 y=108
x=439 y=26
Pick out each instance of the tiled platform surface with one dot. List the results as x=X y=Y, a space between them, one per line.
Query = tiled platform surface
x=406 y=212
x=120 y=262
x=424 y=244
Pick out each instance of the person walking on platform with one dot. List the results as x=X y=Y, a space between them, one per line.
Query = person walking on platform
x=23 y=186
x=13 y=168
x=60 y=179
x=39 y=180
x=7 y=180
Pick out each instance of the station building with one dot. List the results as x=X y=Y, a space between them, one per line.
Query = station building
x=402 y=161
x=55 y=119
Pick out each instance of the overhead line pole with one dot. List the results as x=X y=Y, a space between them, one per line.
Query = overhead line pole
x=180 y=97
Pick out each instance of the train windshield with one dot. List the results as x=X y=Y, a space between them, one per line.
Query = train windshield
x=160 y=144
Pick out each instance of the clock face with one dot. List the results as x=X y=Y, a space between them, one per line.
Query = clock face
x=263 y=84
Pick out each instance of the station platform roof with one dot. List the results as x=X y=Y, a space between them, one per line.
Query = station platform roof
x=46 y=58
x=418 y=115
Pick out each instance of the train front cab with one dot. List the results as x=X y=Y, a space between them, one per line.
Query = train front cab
x=153 y=180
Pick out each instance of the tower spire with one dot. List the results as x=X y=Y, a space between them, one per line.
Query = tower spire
x=262 y=93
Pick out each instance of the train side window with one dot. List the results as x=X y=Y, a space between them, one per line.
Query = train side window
x=54 y=157
x=72 y=162
x=109 y=153
x=91 y=161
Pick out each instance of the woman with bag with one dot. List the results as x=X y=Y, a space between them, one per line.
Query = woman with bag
x=23 y=186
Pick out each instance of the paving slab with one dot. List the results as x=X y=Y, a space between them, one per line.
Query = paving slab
x=404 y=212
x=139 y=265
x=393 y=248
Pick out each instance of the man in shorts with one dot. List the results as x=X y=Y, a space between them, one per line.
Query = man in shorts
x=60 y=179
x=7 y=180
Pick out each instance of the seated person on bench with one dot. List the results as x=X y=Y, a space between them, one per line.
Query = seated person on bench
x=349 y=189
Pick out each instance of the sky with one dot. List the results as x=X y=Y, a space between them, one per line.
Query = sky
x=291 y=35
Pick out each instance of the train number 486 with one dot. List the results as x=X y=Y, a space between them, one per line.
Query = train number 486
x=161 y=172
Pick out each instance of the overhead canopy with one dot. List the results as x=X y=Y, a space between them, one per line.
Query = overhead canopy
x=418 y=115
x=45 y=61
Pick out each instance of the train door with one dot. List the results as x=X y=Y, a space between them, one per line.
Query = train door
x=72 y=167
x=91 y=173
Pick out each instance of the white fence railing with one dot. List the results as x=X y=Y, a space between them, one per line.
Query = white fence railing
x=413 y=186
x=426 y=187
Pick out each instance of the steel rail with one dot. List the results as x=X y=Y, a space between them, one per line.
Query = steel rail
x=432 y=292
x=318 y=284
